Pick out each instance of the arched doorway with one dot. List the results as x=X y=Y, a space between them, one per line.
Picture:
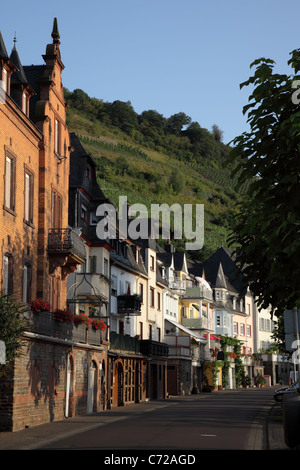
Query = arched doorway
x=92 y=386
x=103 y=386
x=69 y=411
x=119 y=381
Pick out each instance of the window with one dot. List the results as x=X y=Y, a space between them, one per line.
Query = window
x=114 y=284
x=158 y=334
x=242 y=329
x=234 y=304
x=106 y=274
x=28 y=199
x=150 y=331
x=121 y=327
x=235 y=328
x=56 y=136
x=248 y=330
x=56 y=210
x=10 y=183
x=152 y=263
x=151 y=297
x=158 y=300
x=93 y=264
x=84 y=213
x=141 y=291
x=8 y=274
x=248 y=309
x=27 y=281
x=141 y=330
x=218 y=320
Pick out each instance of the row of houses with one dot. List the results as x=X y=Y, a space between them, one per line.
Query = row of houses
x=111 y=321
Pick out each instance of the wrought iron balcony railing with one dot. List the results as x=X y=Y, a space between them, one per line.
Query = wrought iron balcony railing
x=129 y=304
x=65 y=241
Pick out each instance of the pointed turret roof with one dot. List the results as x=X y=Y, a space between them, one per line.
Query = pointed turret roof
x=19 y=75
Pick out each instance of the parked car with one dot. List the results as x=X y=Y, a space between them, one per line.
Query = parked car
x=278 y=395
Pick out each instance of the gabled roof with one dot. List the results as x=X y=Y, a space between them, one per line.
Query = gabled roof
x=233 y=277
x=79 y=160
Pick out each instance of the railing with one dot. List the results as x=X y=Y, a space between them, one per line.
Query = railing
x=65 y=240
x=198 y=292
x=198 y=323
x=153 y=348
x=124 y=343
x=44 y=323
x=89 y=284
x=129 y=304
x=178 y=345
x=177 y=284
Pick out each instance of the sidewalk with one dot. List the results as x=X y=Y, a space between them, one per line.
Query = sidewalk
x=270 y=426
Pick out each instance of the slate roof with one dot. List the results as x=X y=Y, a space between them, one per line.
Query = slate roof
x=3 y=51
x=19 y=75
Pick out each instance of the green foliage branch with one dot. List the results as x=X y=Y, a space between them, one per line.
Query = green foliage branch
x=266 y=227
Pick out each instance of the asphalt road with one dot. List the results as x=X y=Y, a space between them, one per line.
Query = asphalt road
x=225 y=420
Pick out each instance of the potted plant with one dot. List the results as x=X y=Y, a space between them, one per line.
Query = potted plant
x=82 y=319
x=98 y=324
x=260 y=381
x=65 y=316
x=39 y=305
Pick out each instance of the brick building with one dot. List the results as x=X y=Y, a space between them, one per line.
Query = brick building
x=38 y=250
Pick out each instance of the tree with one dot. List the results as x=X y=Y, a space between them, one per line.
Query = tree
x=176 y=122
x=266 y=227
x=12 y=326
x=217 y=133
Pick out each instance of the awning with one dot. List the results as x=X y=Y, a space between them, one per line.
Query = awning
x=213 y=337
x=189 y=332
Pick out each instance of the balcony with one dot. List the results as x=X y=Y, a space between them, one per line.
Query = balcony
x=153 y=348
x=198 y=323
x=124 y=343
x=198 y=292
x=177 y=285
x=129 y=304
x=65 y=249
x=179 y=346
x=44 y=323
x=92 y=285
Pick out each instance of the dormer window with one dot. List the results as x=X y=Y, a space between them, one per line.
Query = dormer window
x=234 y=303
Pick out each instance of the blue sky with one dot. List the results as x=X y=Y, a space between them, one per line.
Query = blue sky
x=168 y=55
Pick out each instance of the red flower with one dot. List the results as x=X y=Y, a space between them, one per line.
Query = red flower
x=82 y=319
x=40 y=306
x=65 y=316
x=99 y=324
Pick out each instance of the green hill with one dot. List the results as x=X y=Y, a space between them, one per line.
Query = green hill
x=153 y=159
